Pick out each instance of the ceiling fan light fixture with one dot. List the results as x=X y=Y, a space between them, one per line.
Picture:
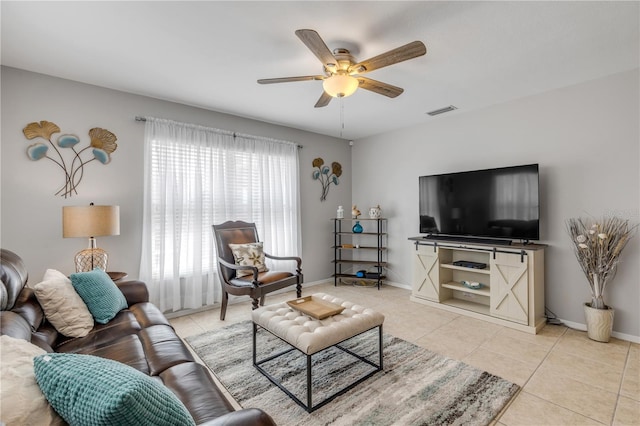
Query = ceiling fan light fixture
x=339 y=85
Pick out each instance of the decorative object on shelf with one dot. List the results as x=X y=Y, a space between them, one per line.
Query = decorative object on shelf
x=355 y=212
x=474 y=285
x=326 y=175
x=102 y=145
x=89 y=222
x=375 y=212
x=357 y=228
x=340 y=213
x=597 y=246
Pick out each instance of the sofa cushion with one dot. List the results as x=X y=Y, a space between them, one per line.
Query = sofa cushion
x=163 y=348
x=14 y=325
x=63 y=306
x=86 y=389
x=100 y=293
x=22 y=400
x=27 y=307
x=249 y=254
x=205 y=405
x=45 y=337
x=126 y=349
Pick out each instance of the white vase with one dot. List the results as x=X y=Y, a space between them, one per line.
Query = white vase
x=375 y=212
x=599 y=323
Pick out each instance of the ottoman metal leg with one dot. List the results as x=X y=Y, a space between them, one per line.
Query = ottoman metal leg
x=309 y=390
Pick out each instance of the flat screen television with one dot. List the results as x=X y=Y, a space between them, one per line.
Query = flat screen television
x=500 y=203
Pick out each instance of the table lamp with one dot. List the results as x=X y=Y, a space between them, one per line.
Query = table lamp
x=89 y=222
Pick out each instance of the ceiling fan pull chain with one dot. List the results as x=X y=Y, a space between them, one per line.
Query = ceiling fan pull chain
x=341 y=115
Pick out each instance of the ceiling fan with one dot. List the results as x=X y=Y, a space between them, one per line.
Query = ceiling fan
x=342 y=74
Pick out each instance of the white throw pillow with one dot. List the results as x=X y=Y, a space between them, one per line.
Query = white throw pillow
x=249 y=254
x=22 y=401
x=51 y=274
x=62 y=305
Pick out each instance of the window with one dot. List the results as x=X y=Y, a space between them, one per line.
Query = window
x=196 y=177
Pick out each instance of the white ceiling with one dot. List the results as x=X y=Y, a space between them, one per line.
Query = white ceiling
x=210 y=54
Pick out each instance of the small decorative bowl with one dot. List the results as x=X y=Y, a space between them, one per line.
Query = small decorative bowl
x=472 y=285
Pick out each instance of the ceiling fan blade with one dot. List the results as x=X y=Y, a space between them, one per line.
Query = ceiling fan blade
x=288 y=79
x=399 y=54
x=324 y=100
x=379 y=87
x=314 y=42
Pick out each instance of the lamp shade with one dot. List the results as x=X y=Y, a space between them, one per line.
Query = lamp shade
x=90 y=221
x=340 y=85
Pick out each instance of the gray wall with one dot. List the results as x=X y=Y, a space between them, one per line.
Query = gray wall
x=31 y=215
x=585 y=138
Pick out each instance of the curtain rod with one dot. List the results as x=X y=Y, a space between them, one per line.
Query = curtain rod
x=143 y=119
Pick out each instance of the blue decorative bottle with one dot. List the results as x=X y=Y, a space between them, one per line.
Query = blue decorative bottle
x=357 y=228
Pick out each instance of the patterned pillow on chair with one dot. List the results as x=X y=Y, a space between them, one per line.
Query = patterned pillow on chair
x=249 y=254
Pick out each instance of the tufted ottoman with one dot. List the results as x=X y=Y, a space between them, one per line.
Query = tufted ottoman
x=310 y=336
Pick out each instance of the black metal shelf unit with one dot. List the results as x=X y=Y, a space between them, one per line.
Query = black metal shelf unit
x=374 y=233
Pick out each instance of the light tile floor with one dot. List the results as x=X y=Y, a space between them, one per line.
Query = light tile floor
x=565 y=378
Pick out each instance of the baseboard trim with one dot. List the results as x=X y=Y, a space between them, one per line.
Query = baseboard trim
x=616 y=334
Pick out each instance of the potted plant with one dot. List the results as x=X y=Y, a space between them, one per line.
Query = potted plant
x=597 y=245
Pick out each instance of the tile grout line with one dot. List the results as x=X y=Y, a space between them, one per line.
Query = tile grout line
x=554 y=403
x=521 y=390
x=624 y=370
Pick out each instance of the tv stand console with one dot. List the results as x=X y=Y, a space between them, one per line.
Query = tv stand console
x=511 y=289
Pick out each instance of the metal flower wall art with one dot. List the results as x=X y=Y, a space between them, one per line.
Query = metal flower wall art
x=100 y=148
x=326 y=175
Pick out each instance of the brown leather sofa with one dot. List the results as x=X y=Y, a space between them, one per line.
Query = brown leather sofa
x=139 y=336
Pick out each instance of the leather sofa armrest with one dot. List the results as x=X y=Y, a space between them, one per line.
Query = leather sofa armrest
x=134 y=291
x=248 y=416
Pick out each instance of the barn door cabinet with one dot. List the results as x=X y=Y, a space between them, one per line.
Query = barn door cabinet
x=511 y=278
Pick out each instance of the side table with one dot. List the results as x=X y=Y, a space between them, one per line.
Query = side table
x=117 y=276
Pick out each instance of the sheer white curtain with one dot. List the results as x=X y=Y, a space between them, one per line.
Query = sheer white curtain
x=195 y=177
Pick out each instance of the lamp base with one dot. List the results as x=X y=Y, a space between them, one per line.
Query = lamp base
x=91 y=258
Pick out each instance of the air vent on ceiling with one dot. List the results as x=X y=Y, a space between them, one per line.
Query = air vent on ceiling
x=442 y=110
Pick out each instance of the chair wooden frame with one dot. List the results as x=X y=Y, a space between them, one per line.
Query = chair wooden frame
x=258 y=284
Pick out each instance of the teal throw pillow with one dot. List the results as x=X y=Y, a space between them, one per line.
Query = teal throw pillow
x=89 y=390
x=101 y=295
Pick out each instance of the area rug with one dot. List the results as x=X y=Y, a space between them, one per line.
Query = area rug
x=417 y=386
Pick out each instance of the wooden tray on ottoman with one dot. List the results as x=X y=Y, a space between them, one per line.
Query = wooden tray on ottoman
x=315 y=307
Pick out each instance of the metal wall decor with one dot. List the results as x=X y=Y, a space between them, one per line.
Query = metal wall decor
x=102 y=145
x=326 y=175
